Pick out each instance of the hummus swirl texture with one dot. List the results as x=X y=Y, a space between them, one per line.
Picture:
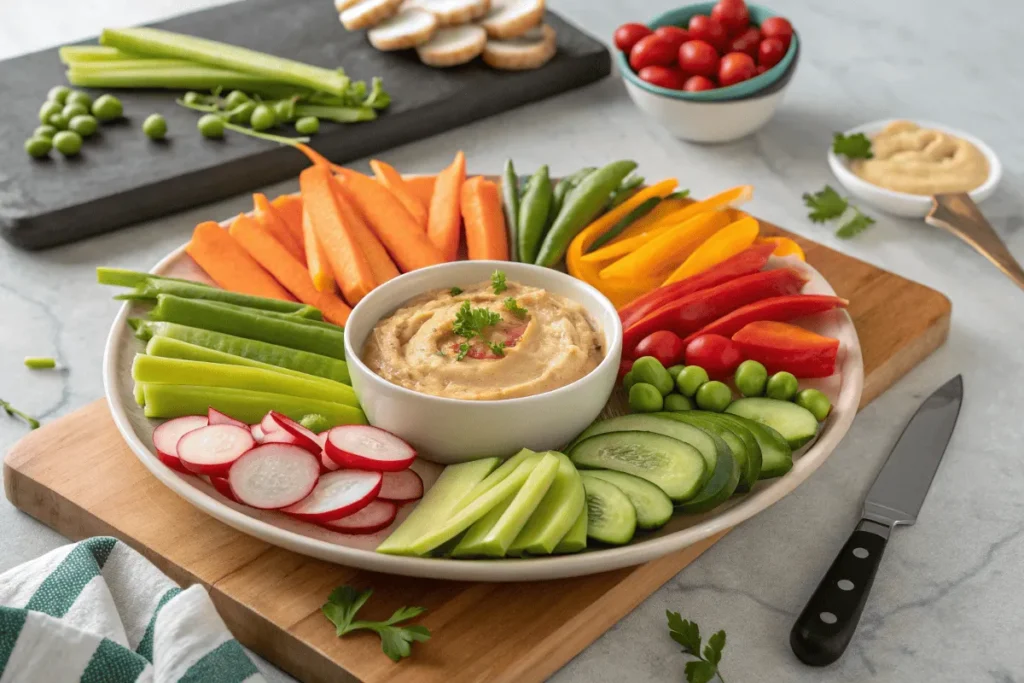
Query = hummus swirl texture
x=908 y=158
x=552 y=345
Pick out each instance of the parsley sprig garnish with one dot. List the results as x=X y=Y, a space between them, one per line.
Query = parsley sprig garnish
x=498 y=282
x=513 y=307
x=471 y=322
x=687 y=634
x=497 y=348
x=829 y=205
x=463 y=350
x=455 y=291
x=396 y=641
x=856 y=146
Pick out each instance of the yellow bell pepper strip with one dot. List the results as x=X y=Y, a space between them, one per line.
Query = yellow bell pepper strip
x=784 y=246
x=727 y=242
x=656 y=217
x=608 y=220
x=668 y=250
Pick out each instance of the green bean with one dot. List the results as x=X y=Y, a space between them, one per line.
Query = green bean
x=73 y=109
x=168 y=347
x=84 y=125
x=58 y=93
x=155 y=127
x=77 y=96
x=262 y=118
x=307 y=125
x=150 y=288
x=636 y=214
x=510 y=204
x=46 y=131
x=67 y=143
x=533 y=214
x=210 y=126
x=295 y=317
x=107 y=108
x=119 y=277
x=39 y=363
x=38 y=147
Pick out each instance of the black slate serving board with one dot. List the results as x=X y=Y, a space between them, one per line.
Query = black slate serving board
x=122 y=177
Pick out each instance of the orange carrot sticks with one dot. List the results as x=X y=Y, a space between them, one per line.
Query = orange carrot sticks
x=421 y=187
x=444 y=223
x=316 y=257
x=484 y=220
x=381 y=265
x=392 y=179
x=272 y=222
x=229 y=265
x=289 y=208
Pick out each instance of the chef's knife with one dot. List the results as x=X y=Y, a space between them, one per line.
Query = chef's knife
x=825 y=627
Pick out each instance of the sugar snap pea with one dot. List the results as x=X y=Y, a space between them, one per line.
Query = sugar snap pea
x=563 y=189
x=636 y=214
x=510 y=204
x=533 y=214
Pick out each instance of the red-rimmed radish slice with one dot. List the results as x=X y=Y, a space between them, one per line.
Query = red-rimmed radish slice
x=215 y=417
x=376 y=516
x=400 y=487
x=292 y=427
x=269 y=424
x=167 y=435
x=274 y=475
x=368 y=448
x=336 y=495
x=223 y=487
x=212 y=449
x=257 y=432
x=328 y=465
x=281 y=436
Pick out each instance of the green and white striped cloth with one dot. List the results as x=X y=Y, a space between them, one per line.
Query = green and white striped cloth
x=99 y=612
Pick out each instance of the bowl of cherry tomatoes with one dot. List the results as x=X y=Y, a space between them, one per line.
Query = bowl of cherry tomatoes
x=709 y=72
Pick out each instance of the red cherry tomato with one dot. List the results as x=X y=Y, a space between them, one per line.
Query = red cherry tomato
x=732 y=15
x=673 y=34
x=663 y=76
x=652 y=50
x=736 y=67
x=770 y=52
x=628 y=35
x=718 y=355
x=664 y=345
x=709 y=30
x=699 y=58
x=747 y=41
x=761 y=69
x=698 y=83
x=777 y=27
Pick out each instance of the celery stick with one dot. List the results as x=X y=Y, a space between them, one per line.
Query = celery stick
x=180 y=78
x=158 y=43
x=119 y=277
x=150 y=290
x=336 y=114
x=140 y=397
x=176 y=400
x=157 y=370
x=132 y=63
x=301 y=316
x=92 y=53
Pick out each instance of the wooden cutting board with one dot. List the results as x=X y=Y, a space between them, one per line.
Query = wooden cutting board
x=77 y=476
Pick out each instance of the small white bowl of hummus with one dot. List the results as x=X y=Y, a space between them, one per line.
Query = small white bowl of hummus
x=463 y=369
x=914 y=160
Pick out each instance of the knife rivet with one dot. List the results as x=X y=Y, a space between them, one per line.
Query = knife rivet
x=860 y=553
x=845 y=585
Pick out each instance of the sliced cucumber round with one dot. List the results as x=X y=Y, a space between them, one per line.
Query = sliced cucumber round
x=743 y=445
x=796 y=425
x=776 y=455
x=752 y=467
x=611 y=518
x=653 y=507
x=719 y=487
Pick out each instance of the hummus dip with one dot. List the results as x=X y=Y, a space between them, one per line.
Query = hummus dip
x=552 y=344
x=915 y=160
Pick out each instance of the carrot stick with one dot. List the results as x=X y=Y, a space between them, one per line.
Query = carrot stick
x=289 y=208
x=484 y=219
x=443 y=226
x=289 y=271
x=275 y=225
x=381 y=265
x=229 y=265
x=421 y=187
x=322 y=221
x=316 y=257
x=390 y=178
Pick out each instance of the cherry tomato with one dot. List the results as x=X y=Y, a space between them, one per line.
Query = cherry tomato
x=664 y=345
x=698 y=83
x=747 y=41
x=732 y=15
x=705 y=28
x=736 y=67
x=699 y=58
x=718 y=355
x=761 y=69
x=777 y=27
x=628 y=35
x=770 y=52
x=652 y=50
x=663 y=76
x=673 y=34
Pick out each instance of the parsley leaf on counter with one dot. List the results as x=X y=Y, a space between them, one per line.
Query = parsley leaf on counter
x=471 y=322
x=855 y=225
x=497 y=348
x=513 y=307
x=455 y=291
x=687 y=634
x=396 y=641
x=498 y=282
x=825 y=204
x=856 y=146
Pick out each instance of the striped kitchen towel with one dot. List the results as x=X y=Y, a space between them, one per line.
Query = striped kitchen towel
x=99 y=612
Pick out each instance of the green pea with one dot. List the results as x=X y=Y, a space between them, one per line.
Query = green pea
x=781 y=386
x=84 y=125
x=242 y=113
x=675 y=370
x=262 y=118
x=750 y=378
x=44 y=132
x=645 y=398
x=49 y=109
x=211 y=126
x=155 y=127
x=690 y=378
x=67 y=142
x=37 y=147
x=58 y=93
x=677 y=403
x=235 y=98
x=816 y=402
x=79 y=97
x=284 y=110
x=714 y=396
x=307 y=125
x=650 y=371
x=192 y=97
x=628 y=380
x=58 y=121
x=107 y=108
x=73 y=109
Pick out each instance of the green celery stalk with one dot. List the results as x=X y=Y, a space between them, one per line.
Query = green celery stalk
x=119 y=277
x=336 y=113
x=158 y=43
x=194 y=290
x=301 y=316
x=121 y=64
x=179 y=78
x=177 y=400
x=92 y=53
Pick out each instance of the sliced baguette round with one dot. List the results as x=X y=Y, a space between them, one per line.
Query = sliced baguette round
x=342 y=5
x=531 y=50
x=453 y=45
x=367 y=13
x=408 y=28
x=455 y=12
x=512 y=18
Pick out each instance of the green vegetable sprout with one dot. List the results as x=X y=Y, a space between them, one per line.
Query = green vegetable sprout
x=396 y=640
x=687 y=634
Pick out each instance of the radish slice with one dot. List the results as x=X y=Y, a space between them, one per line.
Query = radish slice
x=167 y=435
x=368 y=448
x=216 y=417
x=257 y=432
x=376 y=516
x=336 y=495
x=401 y=487
x=211 y=450
x=274 y=475
x=328 y=465
x=281 y=436
x=292 y=427
x=269 y=424
x=223 y=487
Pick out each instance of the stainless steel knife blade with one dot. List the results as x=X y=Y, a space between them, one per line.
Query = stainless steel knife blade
x=903 y=482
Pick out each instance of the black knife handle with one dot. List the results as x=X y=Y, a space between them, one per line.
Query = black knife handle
x=825 y=627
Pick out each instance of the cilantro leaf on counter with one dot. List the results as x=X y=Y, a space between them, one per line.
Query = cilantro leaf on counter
x=687 y=634
x=825 y=204
x=856 y=146
x=396 y=641
x=497 y=348
x=471 y=322
x=854 y=225
x=513 y=307
x=498 y=282
x=455 y=291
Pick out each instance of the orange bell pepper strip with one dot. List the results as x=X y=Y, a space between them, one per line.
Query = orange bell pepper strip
x=727 y=242
x=669 y=249
x=784 y=246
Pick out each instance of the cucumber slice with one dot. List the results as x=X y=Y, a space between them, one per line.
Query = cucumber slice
x=752 y=467
x=494 y=478
x=676 y=467
x=776 y=455
x=555 y=515
x=576 y=539
x=743 y=447
x=796 y=424
x=653 y=508
x=611 y=518
x=722 y=484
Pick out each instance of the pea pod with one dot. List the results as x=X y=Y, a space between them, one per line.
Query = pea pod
x=510 y=201
x=580 y=209
x=533 y=214
x=627 y=220
x=573 y=182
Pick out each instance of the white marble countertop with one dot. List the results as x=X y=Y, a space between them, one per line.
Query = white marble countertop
x=946 y=605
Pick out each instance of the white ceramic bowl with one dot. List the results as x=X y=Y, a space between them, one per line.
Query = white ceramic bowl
x=902 y=203
x=448 y=430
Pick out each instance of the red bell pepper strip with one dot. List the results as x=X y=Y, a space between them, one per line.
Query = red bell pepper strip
x=692 y=312
x=780 y=308
x=744 y=263
x=781 y=346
